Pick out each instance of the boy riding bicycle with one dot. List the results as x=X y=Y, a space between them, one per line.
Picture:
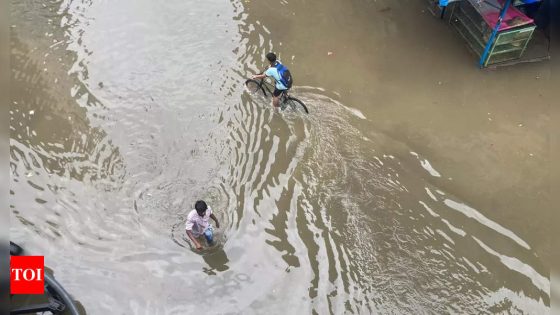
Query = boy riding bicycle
x=280 y=74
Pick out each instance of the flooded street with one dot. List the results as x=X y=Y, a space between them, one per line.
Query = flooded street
x=418 y=183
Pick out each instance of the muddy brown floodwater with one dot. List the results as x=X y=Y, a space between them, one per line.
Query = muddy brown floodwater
x=418 y=184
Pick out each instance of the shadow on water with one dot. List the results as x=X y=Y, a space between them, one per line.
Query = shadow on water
x=217 y=261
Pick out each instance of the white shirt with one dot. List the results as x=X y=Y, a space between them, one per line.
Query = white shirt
x=197 y=224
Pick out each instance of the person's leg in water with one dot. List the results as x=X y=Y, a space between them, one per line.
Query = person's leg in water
x=276 y=101
x=276 y=98
x=209 y=235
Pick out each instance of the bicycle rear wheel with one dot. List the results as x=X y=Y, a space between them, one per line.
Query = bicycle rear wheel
x=254 y=87
x=295 y=105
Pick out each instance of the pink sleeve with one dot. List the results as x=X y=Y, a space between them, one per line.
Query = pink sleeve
x=189 y=225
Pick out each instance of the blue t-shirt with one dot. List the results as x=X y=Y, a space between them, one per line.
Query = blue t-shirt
x=273 y=72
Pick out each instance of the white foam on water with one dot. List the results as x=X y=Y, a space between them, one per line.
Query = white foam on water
x=526 y=305
x=516 y=265
x=426 y=165
x=472 y=213
x=453 y=228
x=354 y=111
x=429 y=209
x=429 y=192
x=447 y=237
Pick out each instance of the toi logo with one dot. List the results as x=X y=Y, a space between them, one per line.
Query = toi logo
x=27 y=274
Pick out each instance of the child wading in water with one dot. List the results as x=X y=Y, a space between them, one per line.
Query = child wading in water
x=198 y=223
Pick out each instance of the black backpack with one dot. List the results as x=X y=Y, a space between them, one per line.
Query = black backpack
x=285 y=75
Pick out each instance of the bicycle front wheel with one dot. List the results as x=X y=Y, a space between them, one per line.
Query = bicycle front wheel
x=254 y=87
x=296 y=105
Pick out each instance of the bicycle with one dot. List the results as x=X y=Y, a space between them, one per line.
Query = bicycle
x=254 y=86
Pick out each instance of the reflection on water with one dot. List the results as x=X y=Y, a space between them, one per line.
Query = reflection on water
x=141 y=111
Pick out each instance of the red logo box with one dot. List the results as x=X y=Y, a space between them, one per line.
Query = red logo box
x=27 y=274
